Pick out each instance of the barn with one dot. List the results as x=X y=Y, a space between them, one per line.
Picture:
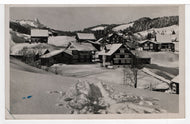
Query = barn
x=56 y=56
x=165 y=42
x=39 y=36
x=149 y=45
x=82 y=52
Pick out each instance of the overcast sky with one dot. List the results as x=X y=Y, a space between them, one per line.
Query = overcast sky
x=78 y=18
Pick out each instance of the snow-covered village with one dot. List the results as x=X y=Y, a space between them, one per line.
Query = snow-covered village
x=103 y=68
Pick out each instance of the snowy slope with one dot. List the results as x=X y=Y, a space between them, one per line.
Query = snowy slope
x=98 y=28
x=165 y=30
x=122 y=27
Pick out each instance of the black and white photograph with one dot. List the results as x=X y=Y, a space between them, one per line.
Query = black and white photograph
x=95 y=61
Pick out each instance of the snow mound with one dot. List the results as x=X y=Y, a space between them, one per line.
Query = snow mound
x=122 y=27
x=62 y=41
x=89 y=98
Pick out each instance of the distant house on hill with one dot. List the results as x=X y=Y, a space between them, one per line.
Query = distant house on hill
x=120 y=55
x=165 y=42
x=39 y=36
x=159 y=43
x=149 y=45
x=82 y=37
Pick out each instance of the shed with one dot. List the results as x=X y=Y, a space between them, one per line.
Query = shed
x=165 y=42
x=174 y=85
x=39 y=36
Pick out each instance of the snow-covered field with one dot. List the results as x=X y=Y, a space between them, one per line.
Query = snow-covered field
x=31 y=87
x=122 y=27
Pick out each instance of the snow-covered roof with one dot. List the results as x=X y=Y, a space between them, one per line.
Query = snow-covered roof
x=53 y=53
x=82 y=46
x=164 y=38
x=111 y=49
x=86 y=36
x=61 y=40
x=161 y=86
x=152 y=40
x=140 y=54
x=93 y=42
x=39 y=33
x=176 y=79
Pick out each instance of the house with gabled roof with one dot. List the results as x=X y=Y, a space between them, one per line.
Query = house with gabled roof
x=120 y=55
x=165 y=42
x=82 y=52
x=115 y=54
x=56 y=56
x=39 y=35
x=149 y=45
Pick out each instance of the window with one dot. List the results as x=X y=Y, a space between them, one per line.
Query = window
x=126 y=56
x=122 y=56
x=117 y=56
x=145 y=44
x=123 y=61
x=116 y=61
x=122 y=51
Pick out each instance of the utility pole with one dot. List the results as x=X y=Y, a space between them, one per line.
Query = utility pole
x=134 y=66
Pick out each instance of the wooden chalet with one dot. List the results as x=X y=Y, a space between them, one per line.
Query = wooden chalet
x=39 y=36
x=120 y=55
x=165 y=42
x=82 y=52
x=149 y=45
